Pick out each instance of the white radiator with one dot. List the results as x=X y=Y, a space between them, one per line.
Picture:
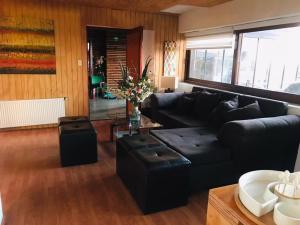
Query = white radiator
x=31 y=112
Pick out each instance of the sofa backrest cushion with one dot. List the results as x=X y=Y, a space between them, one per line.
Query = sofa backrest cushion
x=251 y=111
x=204 y=104
x=185 y=104
x=269 y=107
x=224 y=95
x=197 y=89
x=217 y=115
x=164 y=100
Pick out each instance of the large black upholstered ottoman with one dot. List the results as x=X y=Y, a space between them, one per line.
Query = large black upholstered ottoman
x=78 y=143
x=156 y=175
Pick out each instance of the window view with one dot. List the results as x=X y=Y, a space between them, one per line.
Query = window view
x=270 y=59
x=211 y=64
x=211 y=58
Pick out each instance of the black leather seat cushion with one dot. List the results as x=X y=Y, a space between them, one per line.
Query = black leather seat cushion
x=138 y=142
x=72 y=119
x=159 y=158
x=70 y=128
x=175 y=120
x=199 y=145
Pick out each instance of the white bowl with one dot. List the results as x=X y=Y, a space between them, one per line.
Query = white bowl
x=286 y=214
x=256 y=191
x=286 y=192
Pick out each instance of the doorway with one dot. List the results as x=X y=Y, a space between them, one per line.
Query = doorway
x=107 y=49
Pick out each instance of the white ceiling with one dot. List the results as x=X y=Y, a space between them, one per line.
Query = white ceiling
x=179 y=9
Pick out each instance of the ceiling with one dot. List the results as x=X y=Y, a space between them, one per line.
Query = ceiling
x=146 y=5
x=179 y=9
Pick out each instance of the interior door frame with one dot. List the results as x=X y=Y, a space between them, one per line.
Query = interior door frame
x=137 y=30
x=86 y=50
x=140 y=31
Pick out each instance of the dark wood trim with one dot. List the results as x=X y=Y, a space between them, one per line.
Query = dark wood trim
x=279 y=26
x=281 y=96
x=134 y=52
x=187 y=64
x=236 y=58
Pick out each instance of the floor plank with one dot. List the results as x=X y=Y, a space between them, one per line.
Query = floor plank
x=35 y=190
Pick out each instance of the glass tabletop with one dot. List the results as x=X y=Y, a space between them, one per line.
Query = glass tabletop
x=120 y=126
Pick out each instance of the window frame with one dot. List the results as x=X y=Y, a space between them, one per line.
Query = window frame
x=282 y=96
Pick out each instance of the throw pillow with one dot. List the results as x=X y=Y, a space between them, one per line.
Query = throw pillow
x=251 y=111
x=184 y=104
x=193 y=94
x=217 y=115
x=205 y=102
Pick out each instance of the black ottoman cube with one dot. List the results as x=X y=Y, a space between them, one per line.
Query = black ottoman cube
x=129 y=143
x=72 y=119
x=156 y=175
x=78 y=143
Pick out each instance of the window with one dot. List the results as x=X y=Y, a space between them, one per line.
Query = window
x=211 y=58
x=211 y=64
x=266 y=62
x=270 y=59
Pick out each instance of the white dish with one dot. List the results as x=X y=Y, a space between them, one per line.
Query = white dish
x=286 y=214
x=287 y=193
x=256 y=191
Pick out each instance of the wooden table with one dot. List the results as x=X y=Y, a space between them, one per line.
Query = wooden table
x=223 y=210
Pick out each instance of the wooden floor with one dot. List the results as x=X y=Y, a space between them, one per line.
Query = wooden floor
x=37 y=191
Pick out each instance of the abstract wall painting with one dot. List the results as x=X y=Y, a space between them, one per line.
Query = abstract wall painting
x=27 y=46
x=170 y=58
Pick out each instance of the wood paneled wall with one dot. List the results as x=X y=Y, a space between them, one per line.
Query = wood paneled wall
x=70 y=21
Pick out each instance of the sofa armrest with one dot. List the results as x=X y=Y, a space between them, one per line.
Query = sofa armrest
x=265 y=143
x=164 y=100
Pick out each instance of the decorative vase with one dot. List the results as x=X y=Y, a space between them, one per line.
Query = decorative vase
x=135 y=117
x=136 y=113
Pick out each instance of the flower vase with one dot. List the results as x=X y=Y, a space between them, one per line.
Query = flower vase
x=135 y=117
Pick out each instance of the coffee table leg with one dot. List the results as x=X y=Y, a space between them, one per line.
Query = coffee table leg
x=112 y=133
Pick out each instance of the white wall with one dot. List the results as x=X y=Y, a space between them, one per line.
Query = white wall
x=293 y=109
x=149 y=51
x=237 y=12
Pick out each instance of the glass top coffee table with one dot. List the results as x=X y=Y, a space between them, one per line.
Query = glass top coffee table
x=119 y=127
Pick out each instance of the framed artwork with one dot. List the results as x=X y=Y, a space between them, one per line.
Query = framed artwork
x=170 y=58
x=27 y=46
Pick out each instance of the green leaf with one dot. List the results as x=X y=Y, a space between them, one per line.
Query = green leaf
x=145 y=70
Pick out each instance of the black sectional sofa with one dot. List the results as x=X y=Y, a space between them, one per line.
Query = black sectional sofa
x=226 y=134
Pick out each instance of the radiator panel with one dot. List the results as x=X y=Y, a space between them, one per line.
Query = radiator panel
x=31 y=112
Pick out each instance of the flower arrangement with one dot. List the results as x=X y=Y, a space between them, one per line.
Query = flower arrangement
x=135 y=90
